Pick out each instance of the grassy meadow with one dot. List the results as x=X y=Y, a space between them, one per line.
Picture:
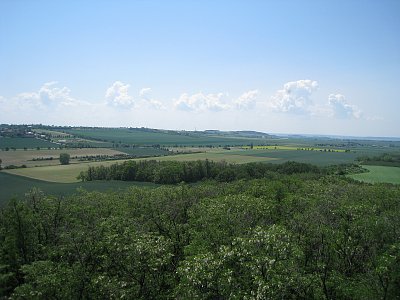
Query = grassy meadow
x=32 y=157
x=18 y=186
x=379 y=174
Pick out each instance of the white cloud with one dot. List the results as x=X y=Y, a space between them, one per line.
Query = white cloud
x=341 y=109
x=148 y=101
x=201 y=102
x=294 y=97
x=48 y=96
x=117 y=95
x=247 y=100
x=50 y=104
x=144 y=92
x=155 y=104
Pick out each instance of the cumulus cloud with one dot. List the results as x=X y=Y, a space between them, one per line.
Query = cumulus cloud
x=51 y=103
x=247 y=100
x=201 y=102
x=341 y=108
x=148 y=101
x=117 y=95
x=48 y=96
x=294 y=97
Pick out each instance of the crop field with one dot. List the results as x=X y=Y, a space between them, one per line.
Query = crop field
x=17 y=186
x=285 y=150
x=144 y=151
x=216 y=156
x=22 y=157
x=379 y=174
x=20 y=143
x=140 y=137
x=68 y=173
x=282 y=147
x=313 y=157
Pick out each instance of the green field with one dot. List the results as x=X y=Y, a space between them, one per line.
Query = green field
x=313 y=157
x=58 y=173
x=379 y=174
x=20 y=143
x=143 y=151
x=142 y=137
x=275 y=150
x=68 y=173
x=216 y=156
x=18 y=186
x=26 y=157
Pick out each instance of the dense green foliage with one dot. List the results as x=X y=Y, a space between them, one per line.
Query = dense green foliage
x=385 y=159
x=144 y=151
x=171 y=172
x=299 y=236
x=64 y=158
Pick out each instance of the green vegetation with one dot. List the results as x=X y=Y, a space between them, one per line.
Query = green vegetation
x=57 y=173
x=143 y=136
x=300 y=236
x=33 y=158
x=17 y=186
x=144 y=151
x=68 y=173
x=216 y=156
x=384 y=159
x=172 y=172
x=319 y=158
x=274 y=218
x=24 y=142
x=64 y=158
x=379 y=174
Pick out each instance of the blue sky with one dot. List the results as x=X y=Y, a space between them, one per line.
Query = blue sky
x=318 y=67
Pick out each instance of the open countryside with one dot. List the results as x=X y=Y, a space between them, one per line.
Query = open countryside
x=139 y=144
x=207 y=150
x=212 y=193
x=69 y=173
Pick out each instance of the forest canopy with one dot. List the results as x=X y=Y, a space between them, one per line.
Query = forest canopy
x=283 y=236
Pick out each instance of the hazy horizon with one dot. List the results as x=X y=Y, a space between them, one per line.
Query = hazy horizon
x=320 y=68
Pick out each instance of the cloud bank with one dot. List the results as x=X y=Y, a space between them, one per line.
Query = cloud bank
x=53 y=103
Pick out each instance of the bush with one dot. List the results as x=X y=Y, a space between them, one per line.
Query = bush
x=64 y=158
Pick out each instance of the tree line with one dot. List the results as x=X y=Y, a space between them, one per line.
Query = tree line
x=171 y=172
